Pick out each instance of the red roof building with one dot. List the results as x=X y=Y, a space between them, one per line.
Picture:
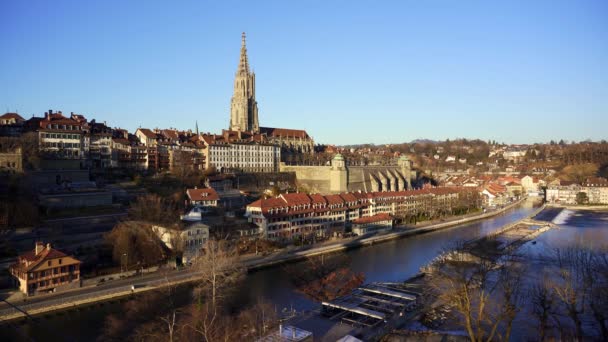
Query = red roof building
x=45 y=269
x=206 y=197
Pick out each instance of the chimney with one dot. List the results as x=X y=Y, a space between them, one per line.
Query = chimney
x=48 y=246
x=39 y=247
x=50 y=112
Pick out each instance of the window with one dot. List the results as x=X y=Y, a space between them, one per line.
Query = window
x=48 y=263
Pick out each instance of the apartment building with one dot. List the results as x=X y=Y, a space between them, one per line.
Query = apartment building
x=289 y=216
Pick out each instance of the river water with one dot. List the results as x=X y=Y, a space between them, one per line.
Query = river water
x=395 y=260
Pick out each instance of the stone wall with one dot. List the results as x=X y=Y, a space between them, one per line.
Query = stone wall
x=315 y=178
x=76 y=200
x=50 y=178
x=263 y=181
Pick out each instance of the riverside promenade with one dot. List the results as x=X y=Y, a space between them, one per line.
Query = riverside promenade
x=124 y=287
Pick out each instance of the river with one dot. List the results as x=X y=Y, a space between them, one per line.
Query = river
x=395 y=260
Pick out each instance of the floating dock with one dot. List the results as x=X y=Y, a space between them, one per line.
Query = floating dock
x=370 y=305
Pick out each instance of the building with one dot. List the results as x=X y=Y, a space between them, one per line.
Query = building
x=11 y=119
x=530 y=184
x=340 y=177
x=241 y=152
x=45 y=270
x=294 y=215
x=373 y=224
x=100 y=145
x=495 y=194
x=11 y=161
x=243 y=106
x=189 y=239
x=11 y=125
x=206 y=197
x=288 y=333
x=244 y=113
x=596 y=189
x=291 y=141
x=62 y=138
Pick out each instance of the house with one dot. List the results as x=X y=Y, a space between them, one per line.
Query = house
x=45 y=269
x=514 y=189
x=189 y=239
x=11 y=119
x=495 y=194
x=372 y=224
x=205 y=197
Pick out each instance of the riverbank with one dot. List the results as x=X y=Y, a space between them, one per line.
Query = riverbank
x=121 y=288
x=256 y=263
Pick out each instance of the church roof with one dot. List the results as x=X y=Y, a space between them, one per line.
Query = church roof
x=284 y=132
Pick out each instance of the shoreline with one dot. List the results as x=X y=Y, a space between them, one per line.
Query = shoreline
x=282 y=257
x=295 y=256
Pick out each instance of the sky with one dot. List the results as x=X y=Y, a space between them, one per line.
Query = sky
x=349 y=72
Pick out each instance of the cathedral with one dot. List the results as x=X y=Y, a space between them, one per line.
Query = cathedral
x=244 y=113
x=243 y=106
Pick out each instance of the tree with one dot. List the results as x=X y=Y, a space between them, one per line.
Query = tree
x=134 y=242
x=542 y=300
x=580 y=172
x=325 y=277
x=219 y=269
x=581 y=198
x=155 y=209
x=486 y=300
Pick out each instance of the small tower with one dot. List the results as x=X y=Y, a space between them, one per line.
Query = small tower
x=338 y=175
x=405 y=166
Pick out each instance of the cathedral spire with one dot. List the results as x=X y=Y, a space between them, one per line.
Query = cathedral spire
x=243 y=68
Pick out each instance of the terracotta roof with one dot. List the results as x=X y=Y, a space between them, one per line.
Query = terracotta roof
x=30 y=260
x=334 y=199
x=170 y=133
x=361 y=198
x=12 y=116
x=296 y=198
x=147 y=132
x=204 y=194
x=372 y=219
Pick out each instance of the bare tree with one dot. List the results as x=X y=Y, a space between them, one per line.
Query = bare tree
x=542 y=301
x=325 y=277
x=134 y=242
x=155 y=209
x=219 y=270
x=572 y=286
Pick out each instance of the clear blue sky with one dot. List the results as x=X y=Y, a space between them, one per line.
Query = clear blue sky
x=346 y=71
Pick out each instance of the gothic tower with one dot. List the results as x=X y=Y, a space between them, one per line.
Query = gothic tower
x=243 y=107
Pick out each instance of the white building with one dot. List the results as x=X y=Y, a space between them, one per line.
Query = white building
x=189 y=239
x=595 y=188
x=241 y=151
